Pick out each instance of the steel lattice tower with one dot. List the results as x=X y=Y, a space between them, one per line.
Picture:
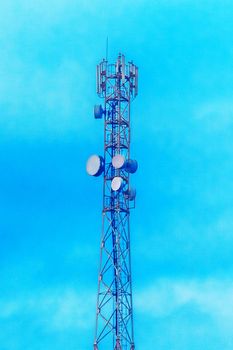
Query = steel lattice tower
x=117 y=85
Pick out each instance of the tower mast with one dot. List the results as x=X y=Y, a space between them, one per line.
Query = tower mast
x=117 y=84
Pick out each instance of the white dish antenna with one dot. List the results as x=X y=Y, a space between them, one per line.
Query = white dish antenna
x=118 y=161
x=129 y=165
x=95 y=165
x=117 y=183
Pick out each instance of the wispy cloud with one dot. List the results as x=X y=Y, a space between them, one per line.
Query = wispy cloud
x=215 y=116
x=51 y=100
x=210 y=296
x=53 y=310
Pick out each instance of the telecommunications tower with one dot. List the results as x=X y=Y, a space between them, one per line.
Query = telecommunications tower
x=117 y=84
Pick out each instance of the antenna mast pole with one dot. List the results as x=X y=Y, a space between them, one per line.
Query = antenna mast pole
x=117 y=84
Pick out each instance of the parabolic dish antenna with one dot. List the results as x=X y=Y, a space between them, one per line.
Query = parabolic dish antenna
x=130 y=193
x=117 y=183
x=95 y=165
x=129 y=165
x=118 y=161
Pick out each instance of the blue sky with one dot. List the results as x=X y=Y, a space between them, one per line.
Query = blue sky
x=50 y=210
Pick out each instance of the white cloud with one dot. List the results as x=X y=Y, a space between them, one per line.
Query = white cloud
x=45 y=87
x=211 y=296
x=215 y=115
x=51 y=101
x=73 y=311
x=54 y=310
